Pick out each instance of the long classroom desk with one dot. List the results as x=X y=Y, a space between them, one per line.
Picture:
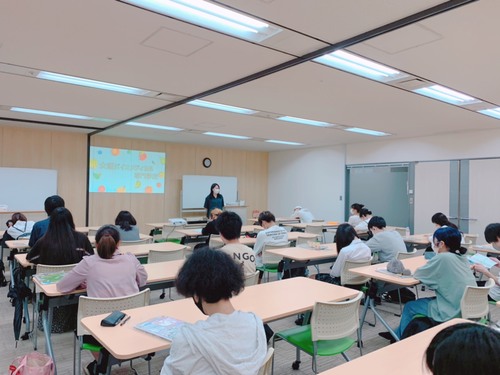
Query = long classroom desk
x=292 y=236
x=270 y=301
x=403 y=281
x=404 y=357
x=304 y=256
x=160 y=275
x=322 y=224
x=192 y=233
x=485 y=249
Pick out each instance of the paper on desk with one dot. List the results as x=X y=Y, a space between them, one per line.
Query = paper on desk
x=481 y=259
x=384 y=270
x=49 y=278
x=162 y=326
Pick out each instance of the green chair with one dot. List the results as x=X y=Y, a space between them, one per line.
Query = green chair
x=271 y=261
x=332 y=324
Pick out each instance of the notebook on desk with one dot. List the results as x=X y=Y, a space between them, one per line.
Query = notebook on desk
x=49 y=278
x=161 y=326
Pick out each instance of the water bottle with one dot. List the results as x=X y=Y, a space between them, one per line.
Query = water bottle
x=407 y=231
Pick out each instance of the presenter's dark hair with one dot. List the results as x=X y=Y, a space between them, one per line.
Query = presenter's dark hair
x=344 y=236
x=464 y=349
x=107 y=238
x=212 y=187
x=229 y=224
x=364 y=212
x=266 y=216
x=440 y=219
x=211 y=275
x=125 y=220
x=53 y=202
x=59 y=237
x=492 y=232
x=451 y=238
x=357 y=207
x=377 y=222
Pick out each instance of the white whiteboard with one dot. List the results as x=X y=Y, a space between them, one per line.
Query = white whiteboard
x=196 y=188
x=25 y=189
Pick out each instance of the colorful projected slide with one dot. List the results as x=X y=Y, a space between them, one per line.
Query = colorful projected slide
x=114 y=170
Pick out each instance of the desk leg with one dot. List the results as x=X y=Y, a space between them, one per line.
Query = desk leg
x=47 y=326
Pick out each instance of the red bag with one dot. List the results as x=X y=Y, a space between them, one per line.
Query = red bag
x=34 y=363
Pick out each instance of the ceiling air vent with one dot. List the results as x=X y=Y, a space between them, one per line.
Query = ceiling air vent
x=411 y=84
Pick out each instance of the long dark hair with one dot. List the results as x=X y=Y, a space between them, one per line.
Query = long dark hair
x=125 y=220
x=440 y=219
x=60 y=238
x=344 y=236
x=212 y=188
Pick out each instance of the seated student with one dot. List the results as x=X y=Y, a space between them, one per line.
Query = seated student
x=354 y=218
x=229 y=225
x=40 y=227
x=364 y=215
x=106 y=274
x=440 y=220
x=349 y=247
x=448 y=274
x=210 y=227
x=492 y=236
x=20 y=228
x=61 y=244
x=228 y=341
x=303 y=214
x=127 y=226
x=272 y=234
x=464 y=349
x=387 y=243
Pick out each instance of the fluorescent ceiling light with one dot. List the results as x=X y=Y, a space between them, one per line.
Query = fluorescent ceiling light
x=48 y=113
x=303 y=121
x=446 y=95
x=211 y=16
x=222 y=107
x=226 y=135
x=91 y=83
x=152 y=126
x=284 y=142
x=367 y=132
x=493 y=112
x=359 y=65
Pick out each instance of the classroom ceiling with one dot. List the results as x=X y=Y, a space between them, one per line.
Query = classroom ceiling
x=450 y=43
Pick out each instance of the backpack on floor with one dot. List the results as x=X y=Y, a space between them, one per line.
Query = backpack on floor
x=418 y=325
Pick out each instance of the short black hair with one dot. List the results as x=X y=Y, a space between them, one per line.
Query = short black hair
x=229 y=224
x=211 y=275
x=344 y=236
x=377 y=222
x=53 y=202
x=464 y=349
x=125 y=220
x=492 y=232
x=266 y=216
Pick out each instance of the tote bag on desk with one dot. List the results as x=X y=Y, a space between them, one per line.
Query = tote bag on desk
x=34 y=363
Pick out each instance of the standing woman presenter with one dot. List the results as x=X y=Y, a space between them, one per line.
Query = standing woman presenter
x=214 y=199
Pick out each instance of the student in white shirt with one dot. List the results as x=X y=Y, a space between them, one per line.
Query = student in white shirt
x=354 y=219
x=303 y=214
x=228 y=341
x=386 y=243
x=365 y=215
x=272 y=234
x=349 y=247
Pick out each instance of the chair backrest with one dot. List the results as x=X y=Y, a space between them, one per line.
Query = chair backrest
x=335 y=320
x=314 y=229
x=474 y=303
x=266 y=367
x=215 y=241
x=409 y=254
x=470 y=238
x=92 y=232
x=147 y=239
x=350 y=278
x=89 y=306
x=268 y=258
x=47 y=268
x=156 y=256
x=302 y=240
x=251 y=279
x=401 y=231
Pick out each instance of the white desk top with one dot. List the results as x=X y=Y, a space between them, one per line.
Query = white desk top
x=292 y=236
x=17 y=244
x=270 y=301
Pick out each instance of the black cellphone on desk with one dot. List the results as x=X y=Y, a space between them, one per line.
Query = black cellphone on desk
x=113 y=319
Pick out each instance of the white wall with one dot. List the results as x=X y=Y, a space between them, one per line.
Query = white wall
x=312 y=178
x=465 y=145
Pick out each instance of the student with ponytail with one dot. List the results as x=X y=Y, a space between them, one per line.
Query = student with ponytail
x=448 y=274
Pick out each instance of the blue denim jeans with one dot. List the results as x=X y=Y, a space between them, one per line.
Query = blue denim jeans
x=412 y=308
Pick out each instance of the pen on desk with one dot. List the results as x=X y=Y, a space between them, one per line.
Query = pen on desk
x=125 y=320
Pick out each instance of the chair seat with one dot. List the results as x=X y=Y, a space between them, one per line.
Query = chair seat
x=301 y=337
x=268 y=268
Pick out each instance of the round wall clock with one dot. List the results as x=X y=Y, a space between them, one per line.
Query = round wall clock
x=207 y=162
